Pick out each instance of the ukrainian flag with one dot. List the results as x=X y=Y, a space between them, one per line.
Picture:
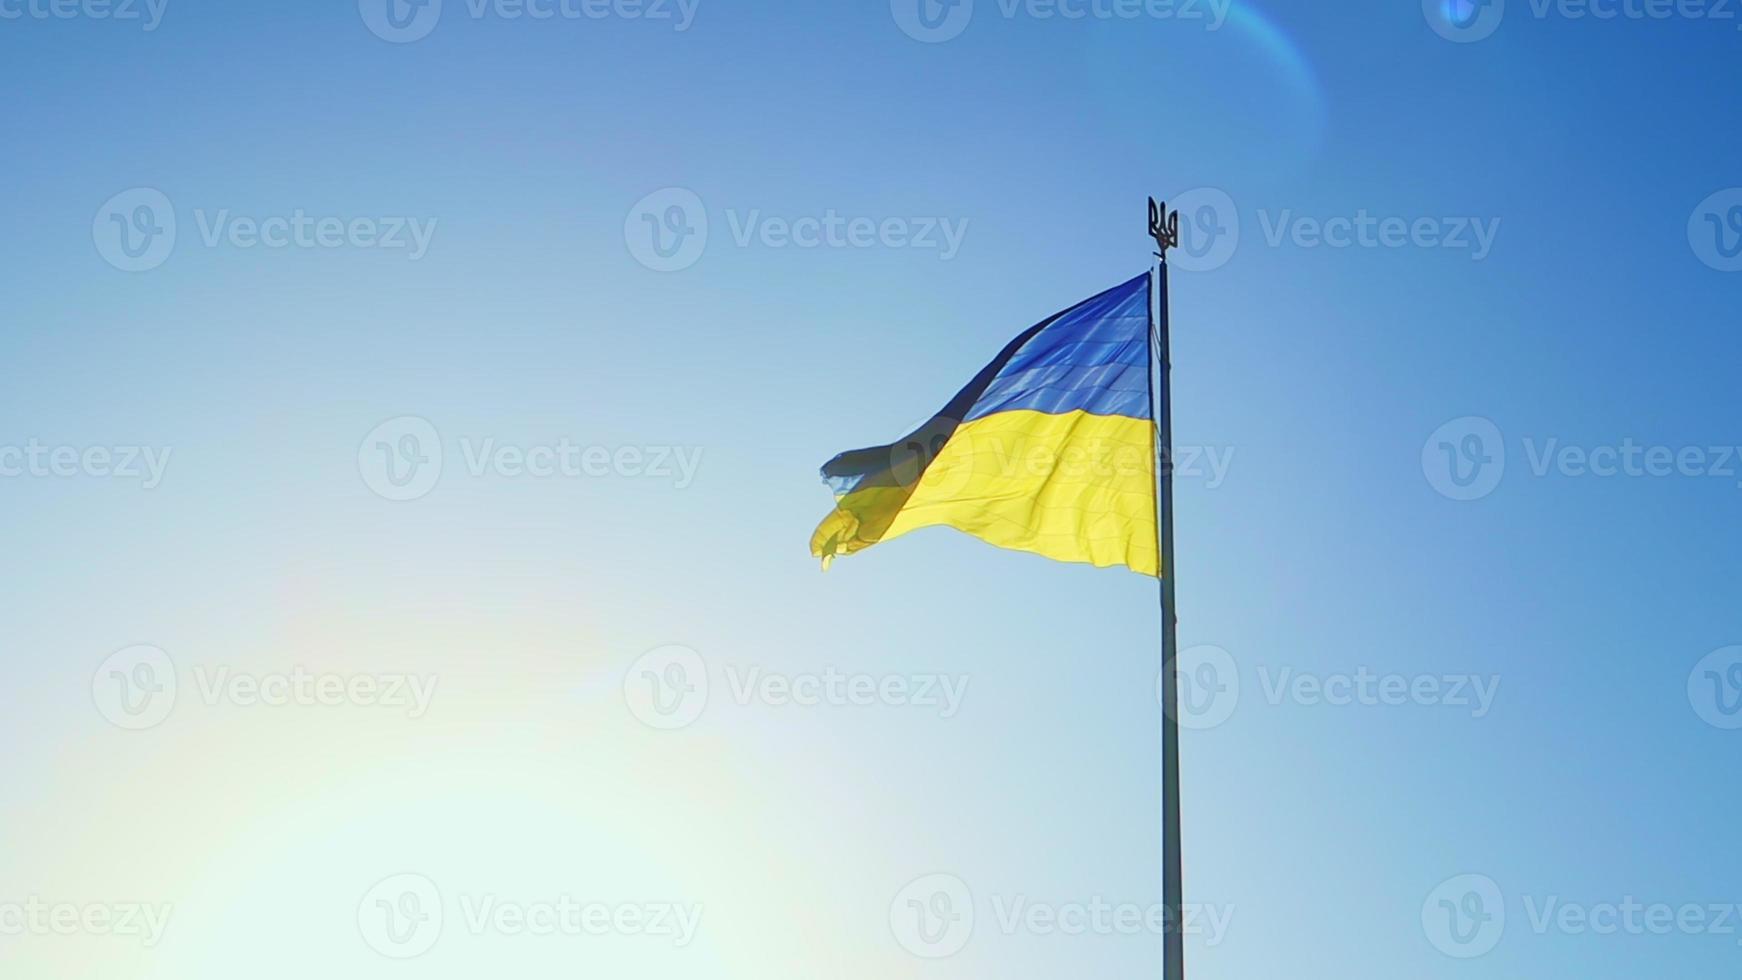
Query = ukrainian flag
x=1051 y=449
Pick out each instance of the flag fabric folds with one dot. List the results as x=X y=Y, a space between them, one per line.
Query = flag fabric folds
x=1051 y=449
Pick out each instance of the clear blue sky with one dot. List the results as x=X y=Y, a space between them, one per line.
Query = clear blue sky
x=1598 y=315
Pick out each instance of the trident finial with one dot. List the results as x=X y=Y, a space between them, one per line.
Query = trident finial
x=1163 y=227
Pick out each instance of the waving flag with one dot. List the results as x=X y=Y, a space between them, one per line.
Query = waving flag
x=1050 y=449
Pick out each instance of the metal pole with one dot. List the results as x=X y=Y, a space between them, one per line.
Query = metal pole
x=1164 y=227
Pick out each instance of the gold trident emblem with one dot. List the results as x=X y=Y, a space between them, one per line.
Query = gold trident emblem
x=1163 y=227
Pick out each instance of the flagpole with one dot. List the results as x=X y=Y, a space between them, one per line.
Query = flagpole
x=1164 y=228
